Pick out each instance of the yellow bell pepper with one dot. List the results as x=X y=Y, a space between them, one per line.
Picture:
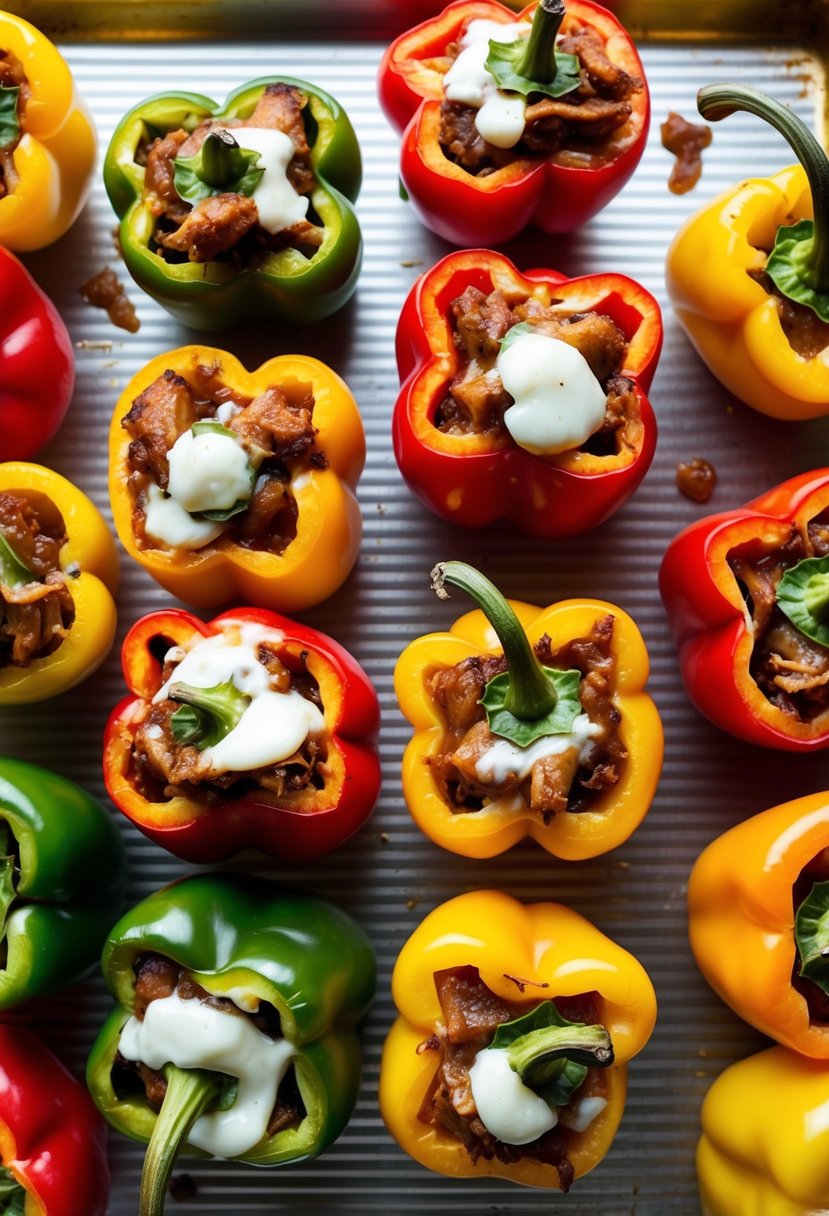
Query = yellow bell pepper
x=328 y=526
x=55 y=156
x=524 y=954
x=89 y=561
x=764 y=1149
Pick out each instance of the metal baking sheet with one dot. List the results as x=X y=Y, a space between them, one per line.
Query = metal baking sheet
x=390 y=876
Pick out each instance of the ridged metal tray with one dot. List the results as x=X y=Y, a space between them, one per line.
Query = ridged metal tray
x=389 y=876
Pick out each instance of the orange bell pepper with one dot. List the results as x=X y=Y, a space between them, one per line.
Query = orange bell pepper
x=328 y=527
x=523 y=954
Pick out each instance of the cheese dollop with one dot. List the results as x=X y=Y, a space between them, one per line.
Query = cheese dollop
x=506 y=1106
x=166 y=521
x=503 y=759
x=500 y=117
x=209 y=471
x=277 y=202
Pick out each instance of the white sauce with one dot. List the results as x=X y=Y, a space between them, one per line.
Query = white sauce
x=227 y=411
x=500 y=117
x=585 y=1111
x=507 y=1107
x=559 y=403
x=503 y=759
x=208 y=471
x=277 y=202
x=166 y=521
x=191 y=1034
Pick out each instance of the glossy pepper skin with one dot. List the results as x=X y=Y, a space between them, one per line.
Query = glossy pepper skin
x=55 y=158
x=90 y=560
x=555 y=953
x=612 y=817
x=37 y=366
x=217 y=295
x=707 y=613
x=491 y=209
x=66 y=885
x=329 y=525
x=475 y=480
x=763 y=1149
x=303 y=829
x=52 y=1140
x=741 y=918
x=302 y=955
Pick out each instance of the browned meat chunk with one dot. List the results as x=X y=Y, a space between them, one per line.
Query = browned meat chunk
x=35 y=616
x=686 y=140
x=214 y=226
x=605 y=77
x=552 y=779
x=458 y=690
x=551 y=121
x=280 y=107
x=596 y=337
x=469 y=1007
x=271 y=495
x=155 y=977
x=459 y=137
x=475 y=743
x=481 y=322
x=159 y=176
x=165 y=410
x=273 y=423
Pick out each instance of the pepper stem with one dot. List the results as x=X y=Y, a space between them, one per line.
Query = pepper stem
x=188 y=1094
x=7 y=891
x=531 y=694
x=539 y=61
x=219 y=158
x=212 y=713
x=531 y=1055
x=716 y=101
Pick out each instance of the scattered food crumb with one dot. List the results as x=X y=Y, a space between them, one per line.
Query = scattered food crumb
x=413 y=262
x=112 y=382
x=84 y=344
x=411 y=903
x=729 y=409
x=696 y=479
x=622 y=865
x=110 y=363
x=703 y=1052
x=104 y=290
x=686 y=140
x=381 y=510
x=384 y=838
x=182 y=1186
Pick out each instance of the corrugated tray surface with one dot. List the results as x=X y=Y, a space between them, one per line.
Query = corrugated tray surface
x=390 y=876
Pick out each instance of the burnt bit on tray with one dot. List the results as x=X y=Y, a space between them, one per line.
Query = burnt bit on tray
x=182 y=1187
x=696 y=479
x=686 y=140
x=105 y=290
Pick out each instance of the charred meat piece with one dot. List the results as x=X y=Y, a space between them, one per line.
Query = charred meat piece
x=275 y=424
x=165 y=410
x=214 y=226
x=481 y=322
x=159 y=176
x=36 y=616
x=605 y=77
x=551 y=121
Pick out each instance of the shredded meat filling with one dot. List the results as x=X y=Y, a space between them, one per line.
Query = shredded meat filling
x=564 y=782
x=35 y=615
x=12 y=76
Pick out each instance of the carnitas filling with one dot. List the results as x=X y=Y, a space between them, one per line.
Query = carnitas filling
x=36 y=606
x=210 y=467
x=477 y=400
x=817 y=1000
x=239 y=226
x=469 y=768
x=471 y=1014
x=805 y=332
x=790 y=669
x=12 y=77
x=582 y=128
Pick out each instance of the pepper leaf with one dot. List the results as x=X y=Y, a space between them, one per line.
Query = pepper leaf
x=9 y=117
x=552 y=1054
x=811 y=935
x=219 y=167
x=505 y=58
x=207 y=426
x=524 y=732
x=803 y=595
x=788 y=261
x=13 y=572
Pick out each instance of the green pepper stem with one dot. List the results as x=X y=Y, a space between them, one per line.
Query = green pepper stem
x=530 y=1055
x=222 y=706
x=716 y=101
x=531 y=694
x=189 y=1092
x=539 y=60
x=7 y=891
x=816 y=597
x=219 y=159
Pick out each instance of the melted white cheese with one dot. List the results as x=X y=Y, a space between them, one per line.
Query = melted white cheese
x=504 y=759
x=500 y=117
x=506 y=1106
x=277 y=202
x=209 y=471
x=585 y=1111
x=191 y=1034
x=166 y=521
x=559 y=403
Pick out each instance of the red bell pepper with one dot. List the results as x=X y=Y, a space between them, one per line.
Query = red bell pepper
x=476 y=479
x=37 y=366
x=52 y=1140
x=204 y=825
x=745 y=664
x=549 y=192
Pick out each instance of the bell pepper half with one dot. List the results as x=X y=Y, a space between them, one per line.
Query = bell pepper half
x=475 y=479
x=293 y=956
x=84 y=577
x=328 y=526
x=763 y=1149
x=295 y=824
x=285 y=285
x=62 y=869
x=610 y=813
x=47 y=139
x=524 y=955
x=53 y=1158
x=709 y=574
x=556 y=192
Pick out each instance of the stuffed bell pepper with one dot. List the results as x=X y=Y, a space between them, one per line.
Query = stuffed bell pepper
x=514 y=120
x=53 y=1158
x=528 y=722
x=523 y=395
x=250 y=731
x=62 y=871
x=749 y=275
x=234 y=1033
x=747 y=597
x=758 y=901
x=58 y=574
x=47 y=140
x=241 y=212
x=226 y=483
x=509 y=1055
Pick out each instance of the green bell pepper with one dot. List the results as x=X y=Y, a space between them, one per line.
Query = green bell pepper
x=308 y=960
x=62 y=868
x=219 y=294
